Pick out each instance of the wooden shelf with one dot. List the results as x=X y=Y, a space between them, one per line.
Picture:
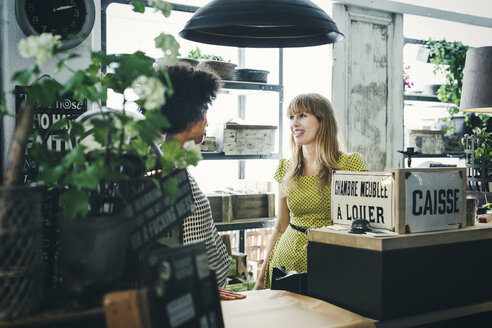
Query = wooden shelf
x=222 y=156
x=241 y=87
x=420 y=97
x=246 y=224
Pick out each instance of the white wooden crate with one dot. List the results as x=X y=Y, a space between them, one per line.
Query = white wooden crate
x=242 y=139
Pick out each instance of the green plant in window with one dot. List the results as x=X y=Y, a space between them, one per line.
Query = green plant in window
x=449 y=58
x=483 y=141
x=198 y=55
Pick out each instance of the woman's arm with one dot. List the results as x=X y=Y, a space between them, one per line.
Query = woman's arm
x=282 y=223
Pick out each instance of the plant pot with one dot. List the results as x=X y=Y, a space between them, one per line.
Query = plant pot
x=21 y=257
x=190 y=61
x=223 y=69
x=93 y=252
x=431 y=89
x=251 y=75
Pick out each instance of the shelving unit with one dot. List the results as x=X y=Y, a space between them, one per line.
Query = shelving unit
x=241 y=90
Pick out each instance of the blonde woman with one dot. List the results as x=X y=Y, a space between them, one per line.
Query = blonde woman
x=304 y=183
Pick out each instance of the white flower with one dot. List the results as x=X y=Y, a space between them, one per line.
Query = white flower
x=40 y=46
x=151 y=90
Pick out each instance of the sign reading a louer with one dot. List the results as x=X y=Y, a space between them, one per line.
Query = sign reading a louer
x=363 y=195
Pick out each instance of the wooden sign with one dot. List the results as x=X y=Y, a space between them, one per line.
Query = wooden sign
x=430 y=199
x=363 y=195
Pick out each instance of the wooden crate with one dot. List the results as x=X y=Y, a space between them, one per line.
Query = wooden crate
x=240 y=139
x=230 y=207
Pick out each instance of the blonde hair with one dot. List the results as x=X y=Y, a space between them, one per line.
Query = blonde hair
x=327 y=145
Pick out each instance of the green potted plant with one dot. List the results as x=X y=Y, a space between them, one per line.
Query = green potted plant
x=122 y=147
x=449 y=58
x=225 y=69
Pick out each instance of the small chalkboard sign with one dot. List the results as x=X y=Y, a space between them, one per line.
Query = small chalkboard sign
x=183 y=290
x=154 y=214
x=44 y=118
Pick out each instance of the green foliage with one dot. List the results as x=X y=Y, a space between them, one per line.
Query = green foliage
x=449 y=58
x=483 y=141
x=138 y=7
x=197 y=54
x=110 y=145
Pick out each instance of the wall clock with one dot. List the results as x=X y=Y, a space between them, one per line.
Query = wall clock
x=71 y=19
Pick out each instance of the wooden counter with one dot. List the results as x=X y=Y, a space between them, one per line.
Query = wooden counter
x=404 y=275
x=277 y=308
x=481 y=231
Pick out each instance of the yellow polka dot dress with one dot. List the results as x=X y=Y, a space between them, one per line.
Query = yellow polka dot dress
x=309 y=206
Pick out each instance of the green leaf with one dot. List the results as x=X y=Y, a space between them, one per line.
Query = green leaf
x=45 y=93
x=61 y=124
x=169 y=46
x=74 y=203
x=74 y=157
x=48 y=174
x=138 y=7
x=171 y=189
x=23 y=76
x=130 y=66
x=76 y=129
x=75 y=81
x=164 y=7
x=150 y=162
x=90 y=177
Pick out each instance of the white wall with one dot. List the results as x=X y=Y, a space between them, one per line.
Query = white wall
x=11 y=61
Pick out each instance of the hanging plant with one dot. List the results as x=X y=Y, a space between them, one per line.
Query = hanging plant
x=449 y=58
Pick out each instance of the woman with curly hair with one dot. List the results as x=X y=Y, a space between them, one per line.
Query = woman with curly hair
x=193 y=91
x=304 y=183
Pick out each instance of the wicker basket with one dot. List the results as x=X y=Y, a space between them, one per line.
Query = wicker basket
x=224 y=69
x=21 y=258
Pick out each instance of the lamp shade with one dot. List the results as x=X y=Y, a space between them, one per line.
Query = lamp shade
x=261 y=24
x=476 y=94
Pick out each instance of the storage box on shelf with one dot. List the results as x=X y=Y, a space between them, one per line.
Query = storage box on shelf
x=247 y=139
x=230 y=207
x=427 y=141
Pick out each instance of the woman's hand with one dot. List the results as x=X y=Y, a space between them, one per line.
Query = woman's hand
x=228 y=294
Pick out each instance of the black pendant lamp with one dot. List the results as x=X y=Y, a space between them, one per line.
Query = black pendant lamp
x=476 y=94
x=261 y=24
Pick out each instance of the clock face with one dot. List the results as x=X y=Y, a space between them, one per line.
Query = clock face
x=71 y=19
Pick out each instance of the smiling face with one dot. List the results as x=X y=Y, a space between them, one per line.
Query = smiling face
x=304 y=128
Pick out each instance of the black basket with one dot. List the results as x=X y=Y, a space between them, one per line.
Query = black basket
x=251 y=75
x=21 y=251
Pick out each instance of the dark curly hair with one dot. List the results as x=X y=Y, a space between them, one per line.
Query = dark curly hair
x=194 y=89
